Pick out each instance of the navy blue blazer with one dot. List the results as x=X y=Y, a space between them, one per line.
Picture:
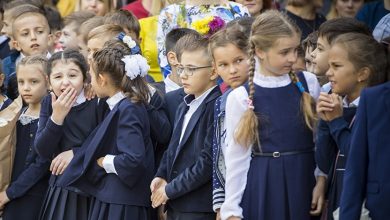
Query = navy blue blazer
x=187 y=166
x=124 y=133
x=173 y=99
x=367 y=172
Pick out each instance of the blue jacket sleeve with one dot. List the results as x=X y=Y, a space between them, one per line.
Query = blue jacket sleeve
x=355 y=176
x=162 y=170
x=160 y=127
x=326 y=149
x=28 y=178
x=340 y=131
x=199 y=173
x=48 y=134
x=129 y=162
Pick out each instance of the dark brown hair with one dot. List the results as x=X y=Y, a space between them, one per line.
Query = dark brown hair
x=66 y=56
x=108 y=61
x=125 y=19
x=192 y=42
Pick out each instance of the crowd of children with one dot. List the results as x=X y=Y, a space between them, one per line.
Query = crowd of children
x=262 y=114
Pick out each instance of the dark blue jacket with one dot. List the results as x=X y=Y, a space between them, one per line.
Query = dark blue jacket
x=124 y=133
x=173 y=99
x=367 y=172
x=187 y=166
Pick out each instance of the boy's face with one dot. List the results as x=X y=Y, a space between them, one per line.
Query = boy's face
x=198 y=75
x=31 y=34
x=320 y=56
x=6 y=28
x=32 y=83
x=96 y=6
x=309 y=60
x=68 y=37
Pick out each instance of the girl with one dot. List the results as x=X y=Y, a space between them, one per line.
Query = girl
x=30 y=172
x=117 y=164
x=65 y=121
x=344 y=8
x=190 y=13
x=270 y=156
x=348 y=74
x=98 y=7
x=228 y=48
x=255 y=7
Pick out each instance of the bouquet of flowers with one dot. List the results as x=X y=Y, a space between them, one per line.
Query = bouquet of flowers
x=208 y=25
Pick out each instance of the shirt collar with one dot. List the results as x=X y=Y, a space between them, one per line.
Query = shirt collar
x=80 y=99
x=353 y=104
x=21 y=56
x=170 y=85
x=115 y=99
x=191 y=100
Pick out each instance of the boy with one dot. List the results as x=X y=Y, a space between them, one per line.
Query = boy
x=327 y=33
x=309 y=45
x=184 y=176
x=70 y=31
x=127 y=21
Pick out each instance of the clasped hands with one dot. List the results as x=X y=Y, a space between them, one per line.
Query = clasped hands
x=159 y=196
x=329 y=106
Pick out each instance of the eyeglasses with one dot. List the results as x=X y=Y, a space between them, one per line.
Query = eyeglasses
x=189 y=71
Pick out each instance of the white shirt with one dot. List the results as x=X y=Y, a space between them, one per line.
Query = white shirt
x=108 y=161
x=170 y=85
x=353 y=104
x=238 y=157
x=193 y=106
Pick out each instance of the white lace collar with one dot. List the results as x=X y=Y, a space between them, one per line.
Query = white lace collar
x=269 y=81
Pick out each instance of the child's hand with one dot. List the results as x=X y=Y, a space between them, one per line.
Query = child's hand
x=337 y=109
x=3 y=199
x=324 y=105
x=61 y=162
x=318 y=200
x=159 y=197
x=100 y=162
x=157 y=183
x=88 y=91
x=62 y=105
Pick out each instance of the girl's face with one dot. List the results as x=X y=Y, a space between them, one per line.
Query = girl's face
x=32 y=83
x=254 y=6
x=342 y=75
x=320 y=57
x=231 y=64
x=96 y=6
x=348 y=8
x=65 y=74
x=280 y=58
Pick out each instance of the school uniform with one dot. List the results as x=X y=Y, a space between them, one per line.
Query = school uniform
x=272 y=180
x=51 y=140
x=332 y=147
x=187 y=163
x=219 y=147
x=368 y=163
x=6 y=102
x=120 y=189
x=30 y=174
x=173 y=99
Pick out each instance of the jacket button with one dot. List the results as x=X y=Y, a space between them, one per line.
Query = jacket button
x=175 y=172
x=31 y=135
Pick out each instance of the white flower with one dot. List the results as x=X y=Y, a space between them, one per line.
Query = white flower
x=129 y=41
x=135 y=65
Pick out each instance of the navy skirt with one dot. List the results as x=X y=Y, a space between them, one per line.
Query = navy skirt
x=109 y=211
x=65 y=204
x=26 y=207
x=279 y=188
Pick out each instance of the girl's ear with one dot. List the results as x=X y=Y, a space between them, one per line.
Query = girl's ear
x=364 y=74
x=213 y=75
x=102 y=79
x=260 y=53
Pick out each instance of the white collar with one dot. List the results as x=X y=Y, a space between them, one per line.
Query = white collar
x=269 y=81
x=21 y=56
x=190 y=100
x=80 y=99
x=353 y=104
x=170 y=85
x=3 y=38
x=115 y=99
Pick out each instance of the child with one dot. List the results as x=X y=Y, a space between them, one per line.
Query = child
x=98 y=36
x=355 y=62
x=4 y=100
x=56 y=25
x=118 y=160
x=229 y=48
x=309 y=45
x=172 y=80
x=84 y=30
x=256 y=7
x=30 y=172
x=192 y=14
x=98 y=7
x=65 y=121
x=70 y=31
x=368 y=165
x=184 y=176
x=127 y=21
x=270 y=154
x=327 y=32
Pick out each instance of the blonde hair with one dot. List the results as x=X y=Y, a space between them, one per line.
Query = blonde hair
x=32 y=60
x=106 y=30
x=266 y=30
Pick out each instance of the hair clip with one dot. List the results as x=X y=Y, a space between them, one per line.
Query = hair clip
x=250 y=104
x=129 y=42
x=300 y=86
